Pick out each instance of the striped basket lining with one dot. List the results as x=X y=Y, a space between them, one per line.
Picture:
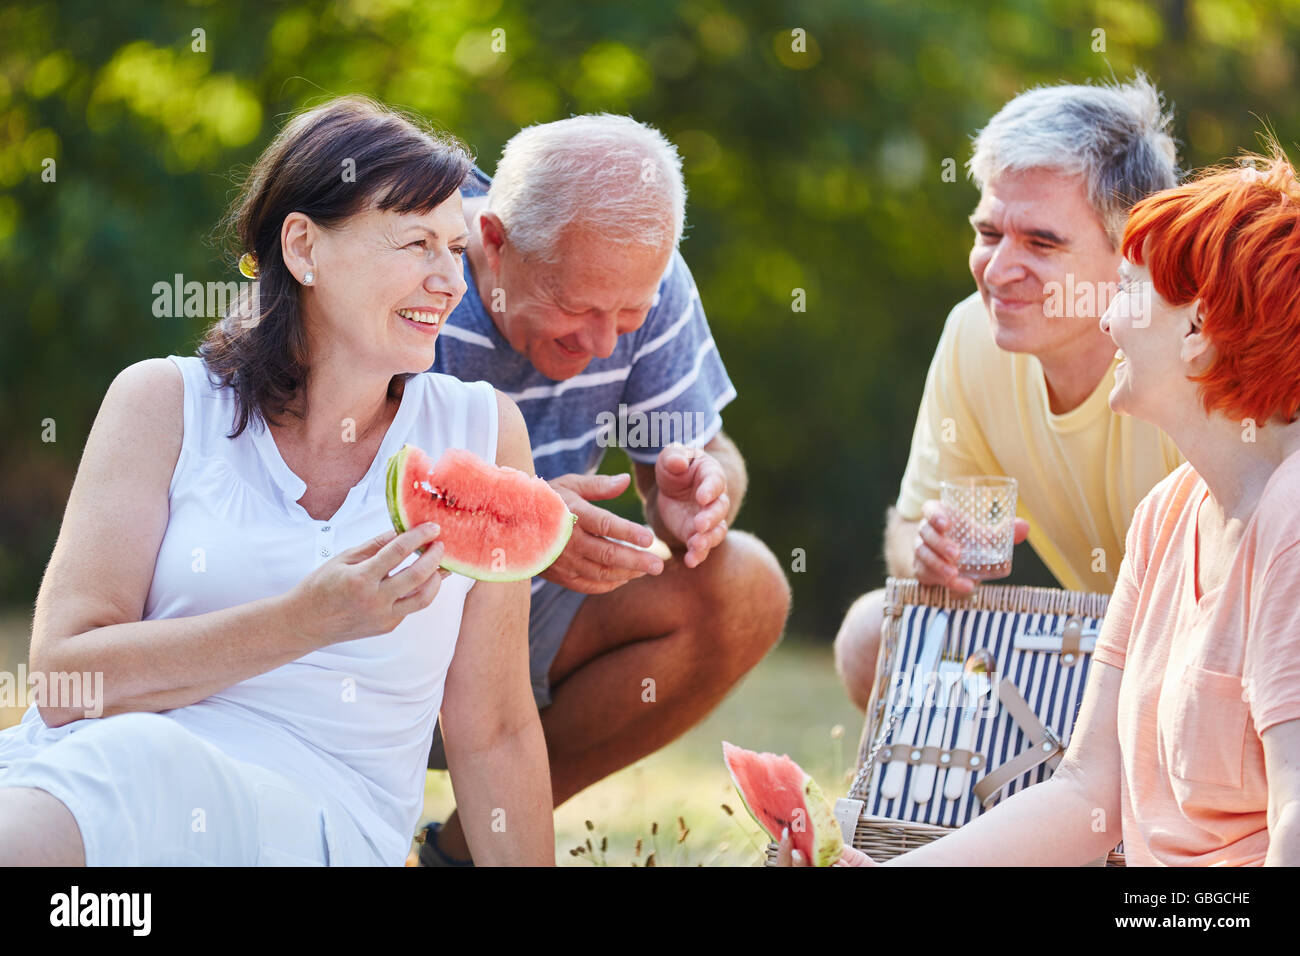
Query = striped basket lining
x=991 y=617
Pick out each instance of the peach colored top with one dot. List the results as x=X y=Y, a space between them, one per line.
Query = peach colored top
x=1204 y=674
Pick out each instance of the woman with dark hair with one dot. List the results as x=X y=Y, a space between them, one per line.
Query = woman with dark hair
x=1187 y=744
x=273 y=655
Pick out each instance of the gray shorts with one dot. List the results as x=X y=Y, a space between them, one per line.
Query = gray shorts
x=550 y=614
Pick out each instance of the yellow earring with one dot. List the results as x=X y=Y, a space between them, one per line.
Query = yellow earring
x=248 y=265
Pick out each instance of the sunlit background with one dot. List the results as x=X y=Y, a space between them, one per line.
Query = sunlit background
x=818 y=169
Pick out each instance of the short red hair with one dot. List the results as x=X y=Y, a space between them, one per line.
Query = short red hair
x=1231 y=238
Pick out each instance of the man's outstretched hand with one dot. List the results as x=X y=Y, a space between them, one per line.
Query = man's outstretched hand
x=691 y=500
x=591 y=562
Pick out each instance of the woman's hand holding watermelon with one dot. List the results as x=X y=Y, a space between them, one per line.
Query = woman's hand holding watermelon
x=787 y=855
x=352 y=594
x=776 y=790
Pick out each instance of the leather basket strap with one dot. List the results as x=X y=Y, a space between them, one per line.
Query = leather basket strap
x=1071 y=642
x=1044 y=745
x=935 y=756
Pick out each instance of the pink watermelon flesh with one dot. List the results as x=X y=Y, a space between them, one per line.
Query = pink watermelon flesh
x=497 y=523
x=778 y=794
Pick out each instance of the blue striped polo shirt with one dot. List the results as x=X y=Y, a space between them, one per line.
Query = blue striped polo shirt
x=664 y=382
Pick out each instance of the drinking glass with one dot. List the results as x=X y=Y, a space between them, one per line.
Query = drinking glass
x=982 y=515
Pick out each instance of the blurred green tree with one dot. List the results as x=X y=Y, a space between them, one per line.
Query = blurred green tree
x=816 y=138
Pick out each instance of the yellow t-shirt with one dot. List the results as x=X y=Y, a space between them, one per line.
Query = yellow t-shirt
x=1080 y=475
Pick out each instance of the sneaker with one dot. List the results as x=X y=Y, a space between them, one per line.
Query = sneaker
x=431 y=855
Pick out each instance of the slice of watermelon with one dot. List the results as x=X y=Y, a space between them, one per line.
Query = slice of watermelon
x=497 y=523
x=778 y=794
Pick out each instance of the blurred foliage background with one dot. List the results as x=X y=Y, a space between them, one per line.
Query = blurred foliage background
x=818 y=170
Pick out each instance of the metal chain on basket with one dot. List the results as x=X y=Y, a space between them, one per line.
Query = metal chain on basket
x=870 y=760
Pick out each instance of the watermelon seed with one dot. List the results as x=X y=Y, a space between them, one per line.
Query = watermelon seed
x=451 y=501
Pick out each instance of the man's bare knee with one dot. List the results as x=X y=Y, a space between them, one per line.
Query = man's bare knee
x=749 y=586
x=857 y=645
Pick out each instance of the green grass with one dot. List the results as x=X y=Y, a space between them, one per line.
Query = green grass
x=790 y=703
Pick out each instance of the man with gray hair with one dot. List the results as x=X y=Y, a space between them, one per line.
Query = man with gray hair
x=1020 y=381
x=581 y=309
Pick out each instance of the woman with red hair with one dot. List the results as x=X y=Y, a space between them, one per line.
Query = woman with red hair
x=1189 y=733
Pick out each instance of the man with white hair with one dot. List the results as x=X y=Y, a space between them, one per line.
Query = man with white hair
x=1020 y=381
x=582 y=310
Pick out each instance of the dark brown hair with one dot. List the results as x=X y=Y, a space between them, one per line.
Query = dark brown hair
x=398 y=164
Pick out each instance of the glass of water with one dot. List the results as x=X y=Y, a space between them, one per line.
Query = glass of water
x=982 y=515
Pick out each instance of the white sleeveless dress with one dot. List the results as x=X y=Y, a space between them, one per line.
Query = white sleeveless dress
x=321 y=760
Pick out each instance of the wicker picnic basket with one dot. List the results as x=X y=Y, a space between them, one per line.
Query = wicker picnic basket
x=918 y=734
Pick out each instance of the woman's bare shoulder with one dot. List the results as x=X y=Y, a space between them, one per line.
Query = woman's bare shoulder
x=141 y=418
x=513 y=448
x=153 y=373
x=151 y=391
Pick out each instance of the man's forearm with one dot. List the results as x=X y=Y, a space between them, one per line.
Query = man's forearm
x=504 y=795
x=900 y=541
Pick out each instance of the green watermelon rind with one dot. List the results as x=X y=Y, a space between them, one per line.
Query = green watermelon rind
x=829 y=844
x=390 y=489
x=826 y=829
x=400 y=524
